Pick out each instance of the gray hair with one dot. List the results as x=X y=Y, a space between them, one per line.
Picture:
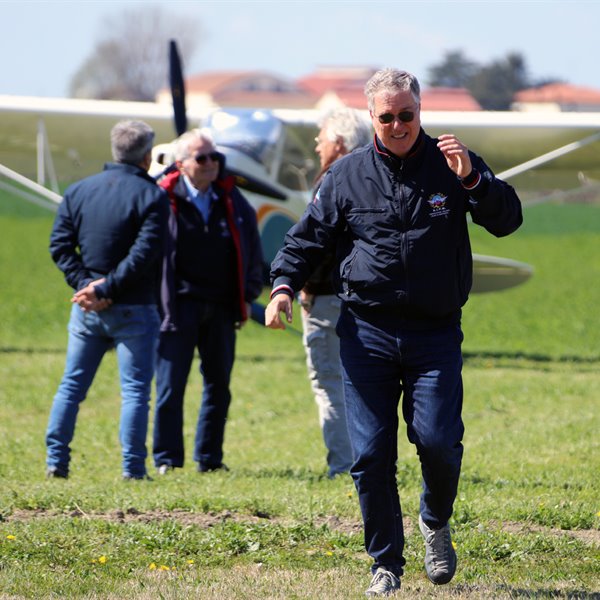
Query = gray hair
x=391 y=80
x=182 y=144
x=131 y=141
x=347 y=124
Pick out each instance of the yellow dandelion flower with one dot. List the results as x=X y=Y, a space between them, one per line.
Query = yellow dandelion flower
x=164 y=568
x=329 y=553
x=102 y=559
x=349 y=494
x=454 y=545
x=190 y=561
x=11 y=537
x=152 y=566
x=598 y=514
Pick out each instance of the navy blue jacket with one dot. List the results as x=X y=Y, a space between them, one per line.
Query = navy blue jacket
x=112 y=225
x=243 y=228
x=399 y=230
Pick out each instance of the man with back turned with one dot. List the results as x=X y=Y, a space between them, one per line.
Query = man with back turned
x=107 y=239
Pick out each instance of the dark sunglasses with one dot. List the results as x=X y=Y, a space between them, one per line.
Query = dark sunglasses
x=406 y=116
x=202 y=158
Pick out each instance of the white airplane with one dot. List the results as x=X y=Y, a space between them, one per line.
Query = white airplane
x=271 y=153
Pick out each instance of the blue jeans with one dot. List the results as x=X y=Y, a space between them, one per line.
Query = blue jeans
x=322 y=347
x=133 y=331
x=210 y=328
x=383 y=360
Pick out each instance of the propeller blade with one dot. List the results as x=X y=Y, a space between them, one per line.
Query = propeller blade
x=253 y=184
x=177 y=89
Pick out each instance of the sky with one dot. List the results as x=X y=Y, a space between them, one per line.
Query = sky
x=42 y=44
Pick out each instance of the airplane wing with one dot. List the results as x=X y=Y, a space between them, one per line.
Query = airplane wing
x=74 y=130
x=56 y=141
x=74 y=127
x=537 y=152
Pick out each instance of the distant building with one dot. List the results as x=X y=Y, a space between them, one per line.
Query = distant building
x=558 y=97
x=325 y=89
x=445 y=98
x=248 y=89
x=344 y=86
x=338 y=86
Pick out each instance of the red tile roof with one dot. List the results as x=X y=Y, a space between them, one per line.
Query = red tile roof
x=262 y=89
x=561 y=93
x=209 y=82
x=350 y=98
x=443 y=98
x=250 y=88
x=431 y=99
x=337 y=79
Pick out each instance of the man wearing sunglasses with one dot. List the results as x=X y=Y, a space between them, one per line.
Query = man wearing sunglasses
x=395 y=211
x=212 y=272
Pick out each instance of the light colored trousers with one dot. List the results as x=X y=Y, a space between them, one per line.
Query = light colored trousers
x=322 y=347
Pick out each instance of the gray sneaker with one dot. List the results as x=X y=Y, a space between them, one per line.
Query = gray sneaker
x=384 y=583
x=440 y=557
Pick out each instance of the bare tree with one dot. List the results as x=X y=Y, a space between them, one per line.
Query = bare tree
x=130 y=61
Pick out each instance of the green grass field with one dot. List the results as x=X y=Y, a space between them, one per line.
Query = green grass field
x=526 y=522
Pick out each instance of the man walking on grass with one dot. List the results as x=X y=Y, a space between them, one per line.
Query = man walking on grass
x=395 y=213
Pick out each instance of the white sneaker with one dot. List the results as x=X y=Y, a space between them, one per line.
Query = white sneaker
x=384 y=583
x=440 y=557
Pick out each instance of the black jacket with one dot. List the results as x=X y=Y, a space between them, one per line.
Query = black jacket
x=112 y=225
x=399 y=230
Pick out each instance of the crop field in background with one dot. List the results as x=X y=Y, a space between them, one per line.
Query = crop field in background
x=526 y=521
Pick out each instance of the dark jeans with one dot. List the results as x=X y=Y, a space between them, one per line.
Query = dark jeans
x=210 y=328
x=384 y=360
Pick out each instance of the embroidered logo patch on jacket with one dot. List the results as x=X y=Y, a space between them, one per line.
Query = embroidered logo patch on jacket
x=437 y=202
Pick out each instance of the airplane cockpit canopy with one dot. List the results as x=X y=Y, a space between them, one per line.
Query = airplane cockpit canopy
x=266 y=140
x=255 y=133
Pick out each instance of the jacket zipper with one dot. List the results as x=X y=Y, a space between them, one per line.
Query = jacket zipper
x=404 y=224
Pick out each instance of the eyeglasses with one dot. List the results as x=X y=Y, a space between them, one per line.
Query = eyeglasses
x=202 y=158
x=406 y=116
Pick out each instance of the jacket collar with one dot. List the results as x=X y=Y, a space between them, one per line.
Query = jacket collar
x=128 y=168
x=173 y=183
x=411 y=160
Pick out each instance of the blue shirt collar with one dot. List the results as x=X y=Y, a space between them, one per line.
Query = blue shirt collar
x=194 y=192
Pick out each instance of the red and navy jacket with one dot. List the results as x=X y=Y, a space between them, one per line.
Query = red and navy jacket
x=243 y=228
